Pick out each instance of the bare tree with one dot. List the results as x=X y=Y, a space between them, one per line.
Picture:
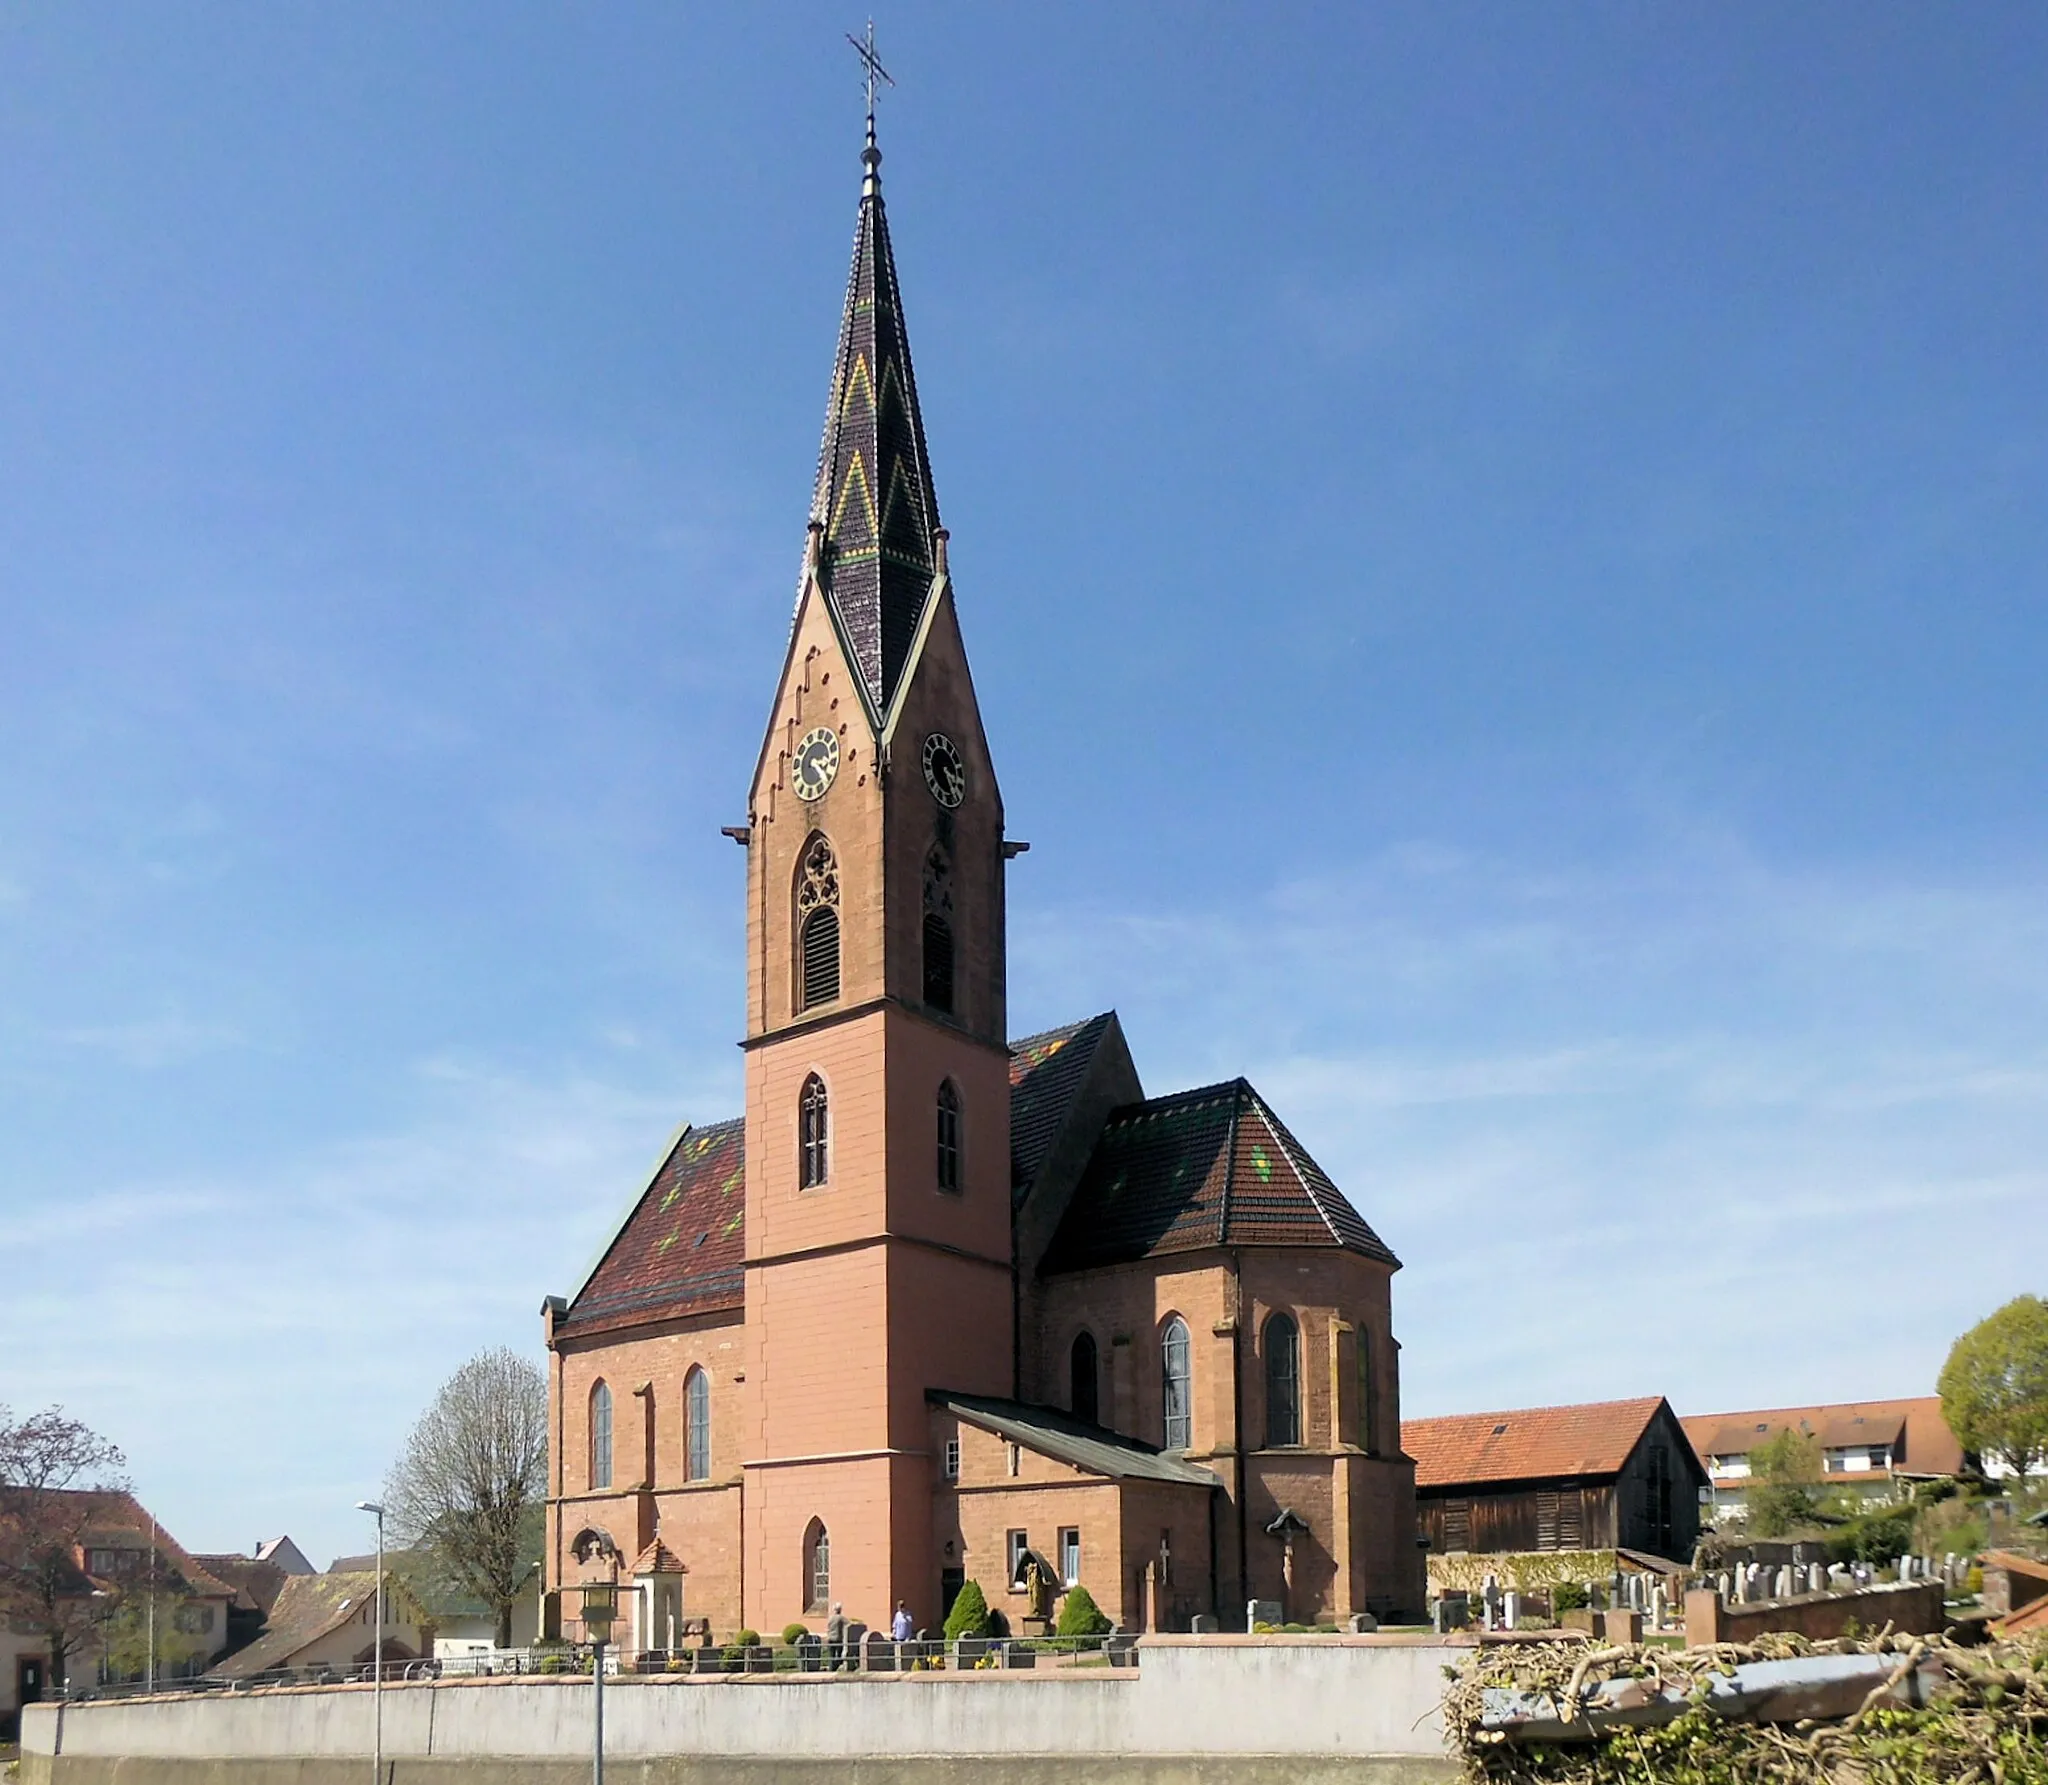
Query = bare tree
x=56 y=1475
x=470 y=1487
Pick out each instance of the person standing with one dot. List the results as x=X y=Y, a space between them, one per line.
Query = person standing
x=835 y=1639
x=901 y=1629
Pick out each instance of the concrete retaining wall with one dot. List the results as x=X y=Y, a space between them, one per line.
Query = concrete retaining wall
x=1246 y=1709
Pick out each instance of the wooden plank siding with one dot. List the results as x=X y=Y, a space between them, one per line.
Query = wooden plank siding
x=1652 y=1505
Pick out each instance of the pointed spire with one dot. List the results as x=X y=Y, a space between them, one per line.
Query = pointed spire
x=874 y=514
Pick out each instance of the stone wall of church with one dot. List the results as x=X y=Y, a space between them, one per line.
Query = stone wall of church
x=699 y=1521
x=1361 y=1545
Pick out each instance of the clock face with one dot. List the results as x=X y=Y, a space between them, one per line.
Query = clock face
x=944 y=773
x=817 y=761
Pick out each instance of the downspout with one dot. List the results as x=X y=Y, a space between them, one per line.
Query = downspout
x=1244 y=1577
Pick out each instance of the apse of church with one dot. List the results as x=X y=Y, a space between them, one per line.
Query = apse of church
x=941 y=1305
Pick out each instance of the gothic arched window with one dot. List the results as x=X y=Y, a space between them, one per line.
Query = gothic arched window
x=817 y=1568
x=949 y=1137
x=938 y=930
x=1283 y=1380
x=697 y=1426
x=1176 y=1385
x=1081 y=1383
x=600 y=1437
x=814 y=1133
x=817 y=923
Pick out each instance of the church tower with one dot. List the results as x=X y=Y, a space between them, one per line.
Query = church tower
x=877 y=1222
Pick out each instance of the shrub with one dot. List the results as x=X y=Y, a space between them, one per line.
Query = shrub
x=1568 y=1596
x=1873 y=1536
x=969 y=1616
x=746 y=1639
x=792 y=1634
x=1080 y=1615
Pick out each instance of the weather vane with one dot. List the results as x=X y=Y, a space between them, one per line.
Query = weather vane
x=873 y=69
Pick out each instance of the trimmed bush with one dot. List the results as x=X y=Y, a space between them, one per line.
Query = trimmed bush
x=746 y=1639
x=1080 y=1615
x=969 y=1616
x=1873 y=1536
x=792 y=1634
x=1568 y=1596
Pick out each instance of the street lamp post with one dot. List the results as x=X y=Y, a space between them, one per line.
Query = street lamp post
x=377 y=1649
x=600 y=1607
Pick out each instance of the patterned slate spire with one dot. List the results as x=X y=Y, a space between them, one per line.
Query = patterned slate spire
x=874 y=505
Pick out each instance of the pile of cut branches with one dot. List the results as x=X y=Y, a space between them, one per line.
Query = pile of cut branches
x=1986 y=1725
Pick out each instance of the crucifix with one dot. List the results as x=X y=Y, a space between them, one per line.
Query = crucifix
x=873 y=70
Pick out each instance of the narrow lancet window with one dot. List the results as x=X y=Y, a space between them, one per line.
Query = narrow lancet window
x=1177 y=1386
x=817 y=918
x=949 y=1137
x=1283 y=1380
x=814 y=1131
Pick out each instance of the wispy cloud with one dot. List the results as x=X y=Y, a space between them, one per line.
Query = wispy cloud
x=1691 y=1123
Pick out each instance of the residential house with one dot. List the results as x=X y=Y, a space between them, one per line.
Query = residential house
x=120 y=1558
x=462 y=1623
x=1616 y=1475
x=324 y=1626
x=1869 y=1450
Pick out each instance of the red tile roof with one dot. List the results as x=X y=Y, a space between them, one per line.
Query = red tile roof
x=1212 y=1167
x=1919 y=1437
x=683 y=1248
x=1528 y=1443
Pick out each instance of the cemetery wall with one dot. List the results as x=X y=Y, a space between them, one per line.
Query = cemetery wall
x=1913 y=1609
x=1242 y=1709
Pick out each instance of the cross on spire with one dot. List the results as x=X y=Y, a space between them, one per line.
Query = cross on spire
x=873 y=70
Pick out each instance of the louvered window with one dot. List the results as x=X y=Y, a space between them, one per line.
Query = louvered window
x=1283 y=1381
x=1571 y=1519
x=814 y=1131
x=1457 y=1525
x=817 y=910
x=1177 y=1396
x=949 y=1137
x=1546 y=1518
x=938 y=930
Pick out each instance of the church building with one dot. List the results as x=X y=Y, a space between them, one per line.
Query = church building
x=942 y=1303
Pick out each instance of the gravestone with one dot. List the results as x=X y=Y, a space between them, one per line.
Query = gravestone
x=1261 y=1611
x=1511 y=1610
x=1452 y=1611
x=879 y=1655
x=1362 y=1623
x=1781 y=1587
x=1204 y=1624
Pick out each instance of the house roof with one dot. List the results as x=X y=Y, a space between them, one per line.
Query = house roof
x=1069 y=1440
x=1046 y=1073
x=255 y=1582
x=117 y=1520
x=1914 y=1430
x=1529 y=1443
x=308 y=1607
x=874 y=498
x=1203 y=1168
x=682 y=1247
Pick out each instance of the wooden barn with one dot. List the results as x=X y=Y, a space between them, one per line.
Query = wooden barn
x=1606 y=1475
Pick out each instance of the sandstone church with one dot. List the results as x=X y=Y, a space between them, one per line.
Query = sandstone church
x=941 y=1302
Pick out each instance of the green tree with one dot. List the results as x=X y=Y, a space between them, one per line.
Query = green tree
x=969 y=1616
x=1080 y=1615
x=469 y=1490
x=1994 y=1387
x=1784 y=1474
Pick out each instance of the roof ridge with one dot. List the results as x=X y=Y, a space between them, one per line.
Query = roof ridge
x=1524 y=1412
x=1240 y=1089
x=1296 y=1153
x=1067 y=1029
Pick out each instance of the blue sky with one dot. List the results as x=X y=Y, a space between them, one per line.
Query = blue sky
x=1502 y=550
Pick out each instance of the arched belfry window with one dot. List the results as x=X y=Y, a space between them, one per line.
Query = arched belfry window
x=1084 y=1396
x=600 y=1437
x=949 y=1137
x=817 y=1568
x=938 y=930
x=1176 y=1385
x=1283 y=1380
x=814 y=1133
x=697 y=1426
x=817 y=923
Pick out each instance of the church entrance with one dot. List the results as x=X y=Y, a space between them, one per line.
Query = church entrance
x=951 y=1580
